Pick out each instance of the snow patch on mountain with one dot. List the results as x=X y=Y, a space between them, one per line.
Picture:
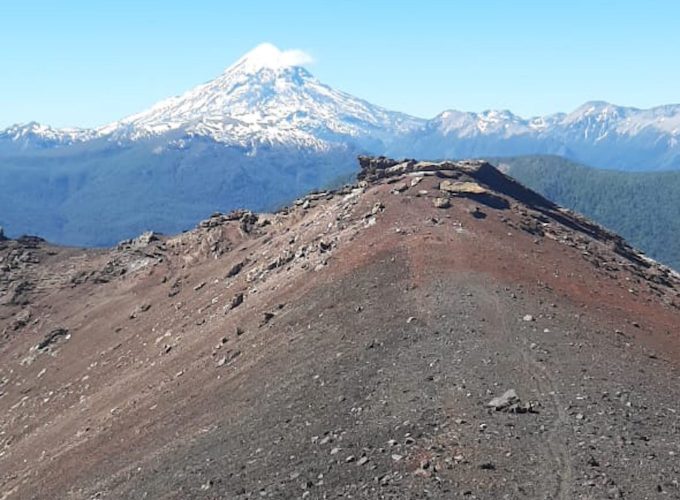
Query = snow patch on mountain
x=39 y=135
x=592 y=120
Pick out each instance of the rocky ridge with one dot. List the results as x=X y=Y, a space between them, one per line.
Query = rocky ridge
x=435 y=330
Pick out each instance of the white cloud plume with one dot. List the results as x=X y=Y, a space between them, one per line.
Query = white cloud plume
x=267 y=55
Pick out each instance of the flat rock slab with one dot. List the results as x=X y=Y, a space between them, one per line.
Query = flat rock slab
x=461 y=187
x=507 y=399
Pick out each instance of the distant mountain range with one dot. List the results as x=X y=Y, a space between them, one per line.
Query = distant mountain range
x=264 y=132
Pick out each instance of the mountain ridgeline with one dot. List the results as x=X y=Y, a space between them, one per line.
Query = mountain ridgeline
x=640 y=206
x=263 y=133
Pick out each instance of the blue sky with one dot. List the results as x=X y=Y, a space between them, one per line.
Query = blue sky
x=87 y=63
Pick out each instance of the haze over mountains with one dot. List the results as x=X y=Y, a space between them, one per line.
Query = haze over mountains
x=264 y=132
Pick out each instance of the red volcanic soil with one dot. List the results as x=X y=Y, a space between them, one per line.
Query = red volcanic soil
x=347 y=347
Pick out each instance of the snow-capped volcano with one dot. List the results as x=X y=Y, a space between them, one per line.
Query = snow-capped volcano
x=266 y=97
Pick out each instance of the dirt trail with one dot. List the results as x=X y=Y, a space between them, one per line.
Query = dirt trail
x=556 y=440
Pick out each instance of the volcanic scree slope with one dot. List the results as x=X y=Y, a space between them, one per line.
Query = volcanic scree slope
x=349 y=345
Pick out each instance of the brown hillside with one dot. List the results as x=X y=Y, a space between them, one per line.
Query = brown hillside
x=346 y=347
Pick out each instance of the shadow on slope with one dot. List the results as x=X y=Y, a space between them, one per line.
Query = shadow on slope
x=642 y=207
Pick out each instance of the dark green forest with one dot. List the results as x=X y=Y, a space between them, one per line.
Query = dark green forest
x=643 y=207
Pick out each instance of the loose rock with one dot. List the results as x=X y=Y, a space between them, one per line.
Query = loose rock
x=51 y=338
x=510 y=402
x=236 y=268
x=236 y=301
x=441 y=203
x=399 y=188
